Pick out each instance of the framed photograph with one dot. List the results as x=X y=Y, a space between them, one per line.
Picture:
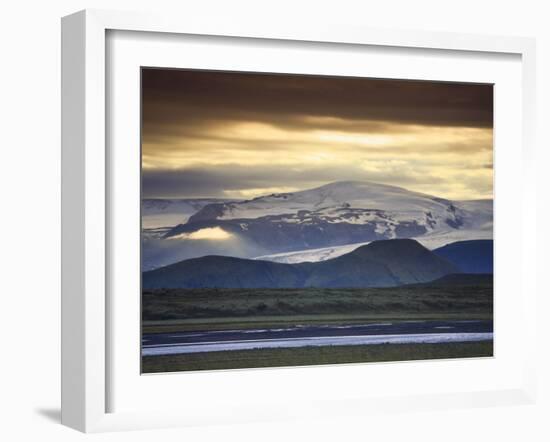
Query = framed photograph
x=286 y=220
x=250 y=212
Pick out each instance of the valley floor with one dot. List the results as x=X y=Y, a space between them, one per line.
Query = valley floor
x=206 y=329
x=285 y=357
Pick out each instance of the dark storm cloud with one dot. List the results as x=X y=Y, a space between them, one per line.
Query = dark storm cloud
x=239 y=135
x=191 y=97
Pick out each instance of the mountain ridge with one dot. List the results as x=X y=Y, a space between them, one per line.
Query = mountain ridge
x=335 y=214
x=378 y=264
x=472 y=256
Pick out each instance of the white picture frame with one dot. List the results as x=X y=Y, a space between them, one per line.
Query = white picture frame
x=86 y=317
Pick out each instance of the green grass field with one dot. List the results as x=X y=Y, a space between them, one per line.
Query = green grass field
x=286 y=357
x=215 y=309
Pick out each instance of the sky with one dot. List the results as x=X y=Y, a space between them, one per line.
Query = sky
x=243 y=135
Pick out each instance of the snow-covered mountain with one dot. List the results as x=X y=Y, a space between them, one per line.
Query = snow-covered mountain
x=338 y=214
x=354 y=202
x=157 y=213
x=387 y=208
x=310 y=225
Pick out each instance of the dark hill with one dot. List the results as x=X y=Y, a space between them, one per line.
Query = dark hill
x=378 y=264
x=461 y=280
x=474 y=256
x=224 y=272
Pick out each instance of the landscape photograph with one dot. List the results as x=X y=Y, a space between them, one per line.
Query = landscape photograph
x=300 y=220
